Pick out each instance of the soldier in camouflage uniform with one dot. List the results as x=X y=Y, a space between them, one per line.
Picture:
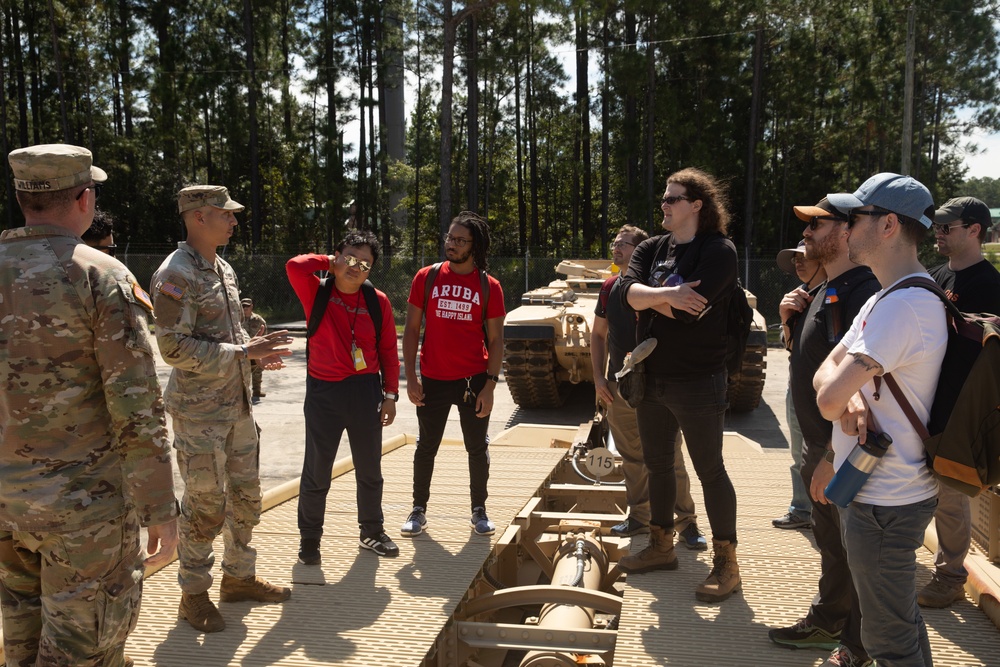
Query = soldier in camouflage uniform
x=83 y=439
x=196 y=305
x=255 y=325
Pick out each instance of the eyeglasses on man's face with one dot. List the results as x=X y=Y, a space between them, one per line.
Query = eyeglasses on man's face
x=670 y=200
x=944 y=230
x=457 y=240
x=352 y=261
x=855 y=213
x=614 y=245
x=96 y=187
x=817 y=221
x=109 y=249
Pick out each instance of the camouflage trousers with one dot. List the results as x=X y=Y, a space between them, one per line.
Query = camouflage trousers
x=256 y=375
x=70 y=598
x=219 y=463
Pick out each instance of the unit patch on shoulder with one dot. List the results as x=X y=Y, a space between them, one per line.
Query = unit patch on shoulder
x=171 y=290
x=142 y=296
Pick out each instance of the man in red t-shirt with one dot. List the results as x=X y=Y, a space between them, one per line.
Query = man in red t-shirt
x=459 y=362
x=344 y=391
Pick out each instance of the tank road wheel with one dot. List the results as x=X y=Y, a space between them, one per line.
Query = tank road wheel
x=529 y=366
x=746 y=387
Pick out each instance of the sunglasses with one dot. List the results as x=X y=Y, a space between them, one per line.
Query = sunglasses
x=109 y=249
x=354 y=261
x=673 y=199
x=96 y=187
x=619 y=244
x=944 y=230
x=852 y=217
x=817 y=221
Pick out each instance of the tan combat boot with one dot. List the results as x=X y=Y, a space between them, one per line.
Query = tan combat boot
x=659 y=555
x=724 y=579
x=201 y=613
x=251 y=588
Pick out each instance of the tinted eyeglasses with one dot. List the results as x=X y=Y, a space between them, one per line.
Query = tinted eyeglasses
x=354 y=261
x=619 y=244
x=109 y=249
x=817 y=221
x=673 y=199
x=944 y=230
x=96 y=187
x=457 y=240
x=852 y=218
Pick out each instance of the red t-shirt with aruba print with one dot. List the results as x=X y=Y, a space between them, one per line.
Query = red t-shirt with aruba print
x=454 y=346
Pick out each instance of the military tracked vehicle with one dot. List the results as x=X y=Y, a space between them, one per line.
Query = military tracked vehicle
x=547 y=341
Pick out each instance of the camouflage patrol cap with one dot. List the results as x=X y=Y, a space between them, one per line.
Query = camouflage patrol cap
x=53 y=167
x=196 y=196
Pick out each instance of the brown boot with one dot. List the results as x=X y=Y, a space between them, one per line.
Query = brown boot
x=251 y=588
x=724 y=579
x=659 y=555
x=201 y=613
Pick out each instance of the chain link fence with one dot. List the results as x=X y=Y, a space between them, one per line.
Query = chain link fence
x=262 y=277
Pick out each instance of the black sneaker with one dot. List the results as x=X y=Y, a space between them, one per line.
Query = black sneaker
x=693 y=538
x=791 y=522
x=309 y=551
x=628 y=528
x=380 y=544
x=805 y=635
x=481 y=523
x=415 y=523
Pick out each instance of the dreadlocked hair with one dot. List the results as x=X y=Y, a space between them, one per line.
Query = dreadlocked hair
x=480 y=230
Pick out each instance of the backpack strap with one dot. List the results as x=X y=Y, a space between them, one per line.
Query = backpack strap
x=953 y=313
x=375 y=312
x=605 y=292
x=318 y=309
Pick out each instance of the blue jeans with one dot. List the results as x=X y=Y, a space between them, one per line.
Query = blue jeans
x=801 y=506
x=881 y=549
x=695 y=407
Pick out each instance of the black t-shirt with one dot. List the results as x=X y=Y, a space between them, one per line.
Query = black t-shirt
x=817 y=331
x=621 y=326
x=975 y=289
x=688 y=346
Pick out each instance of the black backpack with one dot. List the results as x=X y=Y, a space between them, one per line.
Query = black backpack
x=323 y=299
x=962 y=439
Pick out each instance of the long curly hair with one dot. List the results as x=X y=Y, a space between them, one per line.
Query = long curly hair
x=714 y=214
x=480 y=230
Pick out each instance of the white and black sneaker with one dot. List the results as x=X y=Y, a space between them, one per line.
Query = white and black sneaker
x=481 y=523
x=380 y=544
x=415 y=523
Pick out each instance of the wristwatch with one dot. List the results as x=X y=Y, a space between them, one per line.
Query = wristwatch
x=829 y=456
x=390 y=396
x=495 y=378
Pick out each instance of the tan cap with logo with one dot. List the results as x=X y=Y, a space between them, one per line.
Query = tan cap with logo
x=196 y=196
x=53 y=167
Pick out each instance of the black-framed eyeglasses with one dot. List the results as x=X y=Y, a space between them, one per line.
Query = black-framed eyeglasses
x=817 y=221
x=946 y=229
x=673 y=199
x=352 y=261
x=852 y=217
x=96 y=187
x=109 y=249
x=457 y=240
x=619 y=244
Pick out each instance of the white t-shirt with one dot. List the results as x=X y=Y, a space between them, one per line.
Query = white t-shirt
x=907 y=335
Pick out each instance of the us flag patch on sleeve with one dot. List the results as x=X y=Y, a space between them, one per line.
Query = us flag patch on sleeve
x=171 y=290
x=142 y=296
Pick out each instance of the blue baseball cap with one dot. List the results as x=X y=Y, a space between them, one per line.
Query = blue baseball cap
x=904 y=195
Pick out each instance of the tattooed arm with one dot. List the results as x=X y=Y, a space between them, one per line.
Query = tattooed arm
x=837 y=383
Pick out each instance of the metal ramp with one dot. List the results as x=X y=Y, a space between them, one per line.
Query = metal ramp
x=355 y=608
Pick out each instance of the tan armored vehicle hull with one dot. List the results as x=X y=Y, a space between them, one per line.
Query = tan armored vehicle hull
x=547 y=341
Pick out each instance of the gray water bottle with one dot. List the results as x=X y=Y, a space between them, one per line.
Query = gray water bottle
x=856 y=470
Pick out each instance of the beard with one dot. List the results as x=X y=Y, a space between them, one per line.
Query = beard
x=826 y=250
x=458 y=256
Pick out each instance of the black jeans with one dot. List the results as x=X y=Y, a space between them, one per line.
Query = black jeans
x=432 y=416
x=695 y=407
x=835 y=606
x=330 y=408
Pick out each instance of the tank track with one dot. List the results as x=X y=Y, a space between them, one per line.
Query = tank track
x=528 y=366
x=746 y=387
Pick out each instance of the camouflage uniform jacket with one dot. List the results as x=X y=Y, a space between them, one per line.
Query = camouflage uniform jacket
x=200 y=333
x=82 y=428
x=253 y=325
